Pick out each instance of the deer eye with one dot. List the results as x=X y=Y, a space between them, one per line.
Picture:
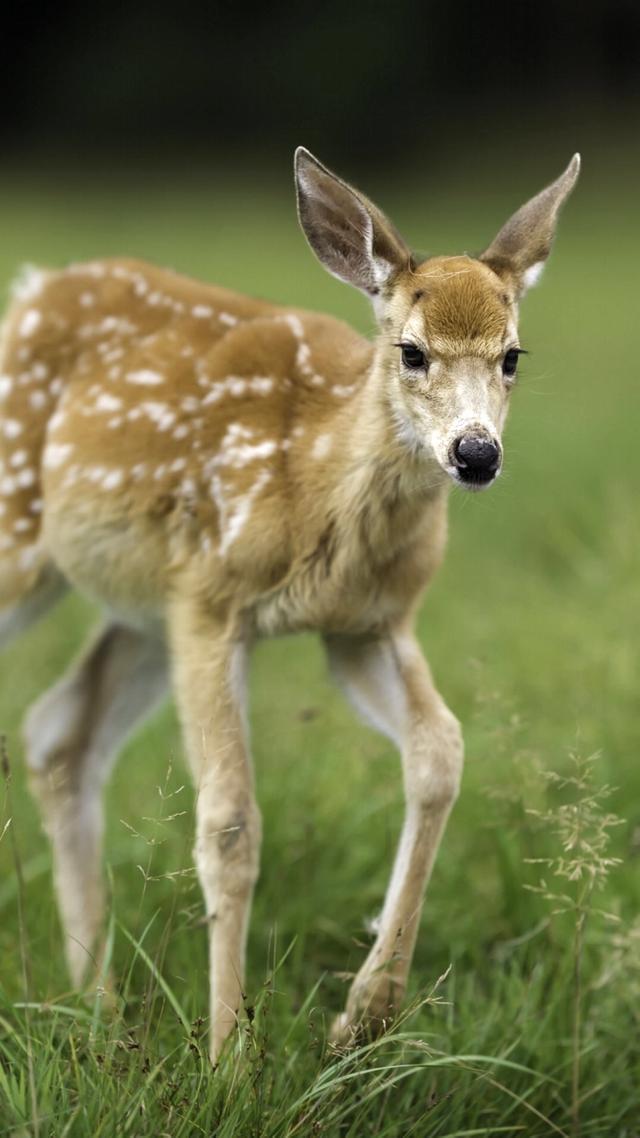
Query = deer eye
x=510 y=362
x=412 y=357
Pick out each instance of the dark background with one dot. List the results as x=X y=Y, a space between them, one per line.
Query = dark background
x=365 y=82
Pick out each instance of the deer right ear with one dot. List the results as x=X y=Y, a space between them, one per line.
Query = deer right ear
x=349 y=235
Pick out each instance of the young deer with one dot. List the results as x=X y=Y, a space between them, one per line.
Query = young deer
x=212 y=469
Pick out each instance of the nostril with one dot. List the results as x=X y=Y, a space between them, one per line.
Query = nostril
x=476 y=455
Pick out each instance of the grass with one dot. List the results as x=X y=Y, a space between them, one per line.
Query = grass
x=523 y=1012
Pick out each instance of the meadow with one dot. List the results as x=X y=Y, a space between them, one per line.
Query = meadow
x=524 y=1010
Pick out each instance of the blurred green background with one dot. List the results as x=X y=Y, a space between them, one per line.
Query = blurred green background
x=170 y=137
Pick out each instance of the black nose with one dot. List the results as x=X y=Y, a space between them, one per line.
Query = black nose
x=476 y=457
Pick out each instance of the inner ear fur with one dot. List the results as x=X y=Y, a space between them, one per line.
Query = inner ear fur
x=350 y=236
x=522 y=246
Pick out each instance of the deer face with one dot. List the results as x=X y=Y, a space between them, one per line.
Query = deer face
x=448 y=349
x=450 y=353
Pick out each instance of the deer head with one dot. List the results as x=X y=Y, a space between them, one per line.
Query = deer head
x=448 y=346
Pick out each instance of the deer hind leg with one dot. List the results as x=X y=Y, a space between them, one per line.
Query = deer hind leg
x=72 y=733
x=388 y=681
x=28 y=587
x=209 y=663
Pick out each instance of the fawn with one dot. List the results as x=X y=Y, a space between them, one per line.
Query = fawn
x=211 y=469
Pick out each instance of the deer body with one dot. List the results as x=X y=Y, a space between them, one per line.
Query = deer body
x=213 y=468
x=157 y=433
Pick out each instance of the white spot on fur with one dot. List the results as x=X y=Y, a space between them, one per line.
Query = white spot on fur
x=294 y=323
x=6 y=385
x=87 y=299
x=237 y=386
x=25 y=478
x=92 y=269
x=322 y=446
x=28 y=283
x=159 y=414
x=145 y=377
x=106 y=402
x=227 y=318
x=201 y=311
x=303 y=363
x=343 y=390
x=112 y=480
x=11 y=428
x=55 y=454
x=18 y=458
x=21 y=525
x=261 y=384
x=237 y=453
x=30 y=321
x=303 y=352
x=234 y=515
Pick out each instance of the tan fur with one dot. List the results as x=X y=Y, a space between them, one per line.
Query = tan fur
x=213 y=468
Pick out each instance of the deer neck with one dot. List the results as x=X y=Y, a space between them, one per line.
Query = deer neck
x=386 y=488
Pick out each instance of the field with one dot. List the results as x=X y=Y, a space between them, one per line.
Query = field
x=523 y=1016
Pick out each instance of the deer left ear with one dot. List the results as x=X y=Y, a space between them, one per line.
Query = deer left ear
x=524 y=243
x=349 y=235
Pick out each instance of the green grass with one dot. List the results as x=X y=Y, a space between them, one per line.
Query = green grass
x=532 y=630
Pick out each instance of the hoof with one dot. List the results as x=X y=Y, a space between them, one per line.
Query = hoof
x=371 y=1008
x=343 y=1032
x=350 y=1029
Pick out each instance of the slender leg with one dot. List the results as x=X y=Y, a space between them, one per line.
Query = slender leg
x=72 y=734
x=209 y=663
x=25 y=595
x=389 y=682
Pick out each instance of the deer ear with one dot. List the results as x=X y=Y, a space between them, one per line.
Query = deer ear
x=349 y=235
x=524 y=243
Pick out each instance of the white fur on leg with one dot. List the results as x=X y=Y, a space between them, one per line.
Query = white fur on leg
x=72 y=734
x=392 y=679
x=367 y=671
x=210 y=668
